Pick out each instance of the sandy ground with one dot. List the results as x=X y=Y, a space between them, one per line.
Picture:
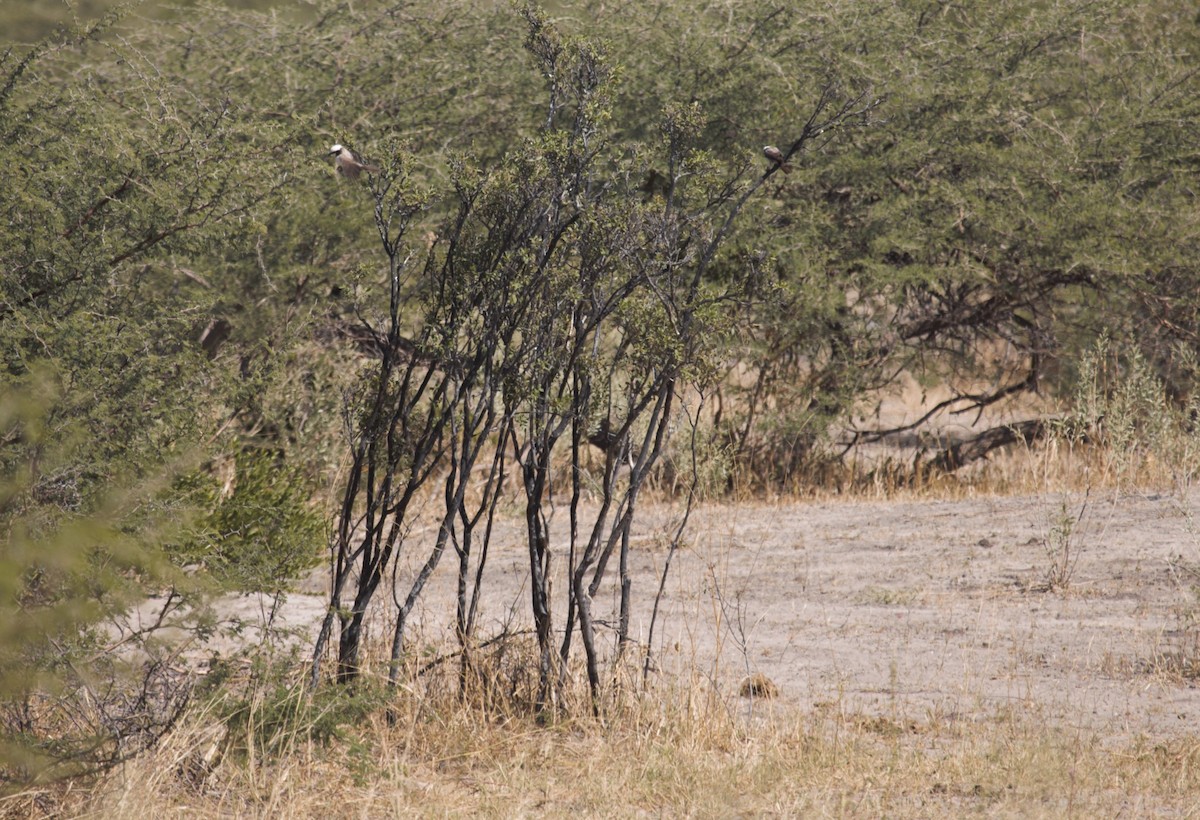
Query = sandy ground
x=912 y=610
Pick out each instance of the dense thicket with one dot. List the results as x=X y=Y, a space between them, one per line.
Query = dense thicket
x=574 y=227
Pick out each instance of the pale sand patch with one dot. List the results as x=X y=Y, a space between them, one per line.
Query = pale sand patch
x=914 y=610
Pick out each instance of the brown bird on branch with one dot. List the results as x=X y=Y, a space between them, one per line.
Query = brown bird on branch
x=350 y=164
x=776 y=156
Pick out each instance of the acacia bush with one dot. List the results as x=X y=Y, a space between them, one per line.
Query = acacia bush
x=1015 y=205
x=558 y=307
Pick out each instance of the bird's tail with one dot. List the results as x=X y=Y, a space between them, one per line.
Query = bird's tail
x=371 y=169
x=786 y=167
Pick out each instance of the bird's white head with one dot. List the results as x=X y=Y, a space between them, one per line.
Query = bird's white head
x=335 y=149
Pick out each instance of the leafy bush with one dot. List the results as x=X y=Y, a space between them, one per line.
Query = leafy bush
x=264 y=534
x=275 y=719
x=1139 y=430
x=80 y=687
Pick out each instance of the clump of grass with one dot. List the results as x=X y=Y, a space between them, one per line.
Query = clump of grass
x=1141 y=434
x=1064 y=545
x=271 y=721
x=1178 y=657
x=1124 y=428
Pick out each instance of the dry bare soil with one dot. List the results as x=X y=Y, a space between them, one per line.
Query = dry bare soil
x=1019 y=656
x=1077 y=610
x=946 y=610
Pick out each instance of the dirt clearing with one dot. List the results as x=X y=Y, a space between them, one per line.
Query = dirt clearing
x=1077 y=610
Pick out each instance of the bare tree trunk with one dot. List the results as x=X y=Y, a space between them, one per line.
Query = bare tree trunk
x=540 y=586
x=587 y=635
x=672 y=549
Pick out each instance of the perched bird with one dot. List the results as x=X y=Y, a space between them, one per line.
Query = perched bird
x=776 y=156
x=350 y=164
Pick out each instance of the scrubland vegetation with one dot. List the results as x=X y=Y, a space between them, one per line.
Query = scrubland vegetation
x=576 y=284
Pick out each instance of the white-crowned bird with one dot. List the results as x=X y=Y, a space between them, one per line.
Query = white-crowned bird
x=349 y=164
x=776 y=156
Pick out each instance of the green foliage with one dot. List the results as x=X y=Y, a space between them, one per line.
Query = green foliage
x=1014 y=192
x=27 y=21
x=1140 y=430
x=264 y=534
x=70 y=568
x=1023 y=183
x=275 y=719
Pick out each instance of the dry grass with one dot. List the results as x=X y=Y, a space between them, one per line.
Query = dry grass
x=683 y=750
